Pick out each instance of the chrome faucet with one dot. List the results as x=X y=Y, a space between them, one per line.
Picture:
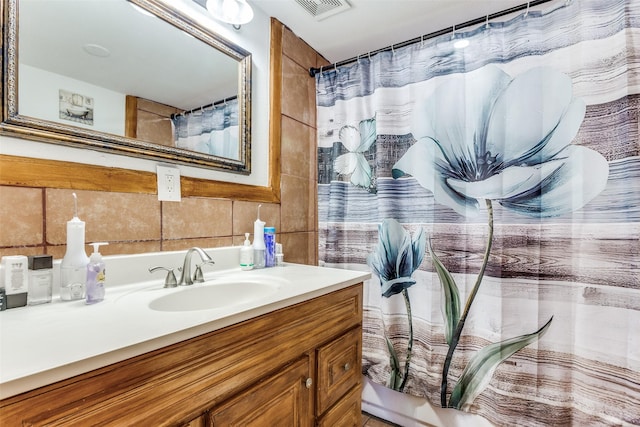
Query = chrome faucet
x=187 y=279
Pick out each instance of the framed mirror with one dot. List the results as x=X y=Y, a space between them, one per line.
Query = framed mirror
x=131 y=77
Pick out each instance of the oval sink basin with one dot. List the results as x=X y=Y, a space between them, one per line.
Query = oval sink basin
x=213 y=295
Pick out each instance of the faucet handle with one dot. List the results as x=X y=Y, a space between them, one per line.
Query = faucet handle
x=170 y=281
x=198 y=277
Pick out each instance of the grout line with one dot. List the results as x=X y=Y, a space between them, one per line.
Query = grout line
x=43 y=194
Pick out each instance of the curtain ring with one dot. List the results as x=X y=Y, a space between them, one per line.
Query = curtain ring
x=335 y=67
x=321 y=70
x=527 y=11
x=453 y=33
x=369 y=54
x=422 y=40
x=486 y=24
x=393 y=52
x=358 y=58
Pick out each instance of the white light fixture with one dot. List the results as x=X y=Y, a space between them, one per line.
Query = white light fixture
x=235 y=12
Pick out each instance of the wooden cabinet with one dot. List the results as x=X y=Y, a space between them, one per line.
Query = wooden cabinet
x=339 y=368
x=200 y=421
x=282 y=400
x=296 y=366
x=346 y=412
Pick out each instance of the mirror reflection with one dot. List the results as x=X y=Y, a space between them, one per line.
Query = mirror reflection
x=157 y=82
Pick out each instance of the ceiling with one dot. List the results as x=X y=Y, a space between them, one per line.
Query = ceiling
x=375 y=24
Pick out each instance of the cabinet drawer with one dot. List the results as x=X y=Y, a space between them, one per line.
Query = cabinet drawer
x=339 y=368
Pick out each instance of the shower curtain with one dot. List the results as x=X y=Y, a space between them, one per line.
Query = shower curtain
x=211 y=130
x=494 y=194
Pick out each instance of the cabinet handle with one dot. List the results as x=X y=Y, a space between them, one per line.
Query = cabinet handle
x=347 y=366
x=308 y=383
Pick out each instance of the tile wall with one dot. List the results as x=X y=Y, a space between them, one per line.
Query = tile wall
x=33 y=220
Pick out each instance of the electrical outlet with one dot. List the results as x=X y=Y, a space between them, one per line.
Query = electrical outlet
x=168 y=183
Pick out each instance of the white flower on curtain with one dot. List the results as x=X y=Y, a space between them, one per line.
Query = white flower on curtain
x=487 y=136
x=357 y=141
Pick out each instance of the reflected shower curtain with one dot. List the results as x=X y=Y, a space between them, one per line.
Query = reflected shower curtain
x=494 y=194
x=211 y=130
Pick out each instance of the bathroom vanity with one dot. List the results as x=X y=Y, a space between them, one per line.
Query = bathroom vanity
x=290 y=358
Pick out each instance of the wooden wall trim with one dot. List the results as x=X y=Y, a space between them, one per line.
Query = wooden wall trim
x=131 y=117
x=30 y=172
x=275 y=105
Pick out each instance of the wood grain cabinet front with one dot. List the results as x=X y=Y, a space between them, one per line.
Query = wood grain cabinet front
x=296 y=366
x=200 y=421
x=339 y=368
x=281 y=400
x=346 y=412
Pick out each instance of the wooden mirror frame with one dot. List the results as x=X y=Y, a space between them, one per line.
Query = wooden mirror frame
x=32 y=172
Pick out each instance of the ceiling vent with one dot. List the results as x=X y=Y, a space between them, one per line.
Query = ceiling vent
x=322 y=9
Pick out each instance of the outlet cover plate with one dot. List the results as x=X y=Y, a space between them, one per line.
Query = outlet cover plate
x=168 y=183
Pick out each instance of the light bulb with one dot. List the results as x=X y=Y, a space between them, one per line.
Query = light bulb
x=234 y=12
x=230 y=9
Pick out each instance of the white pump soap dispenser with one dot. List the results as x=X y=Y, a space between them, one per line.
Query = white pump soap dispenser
x=95 y=275
x=246 y=254
x=73 y=269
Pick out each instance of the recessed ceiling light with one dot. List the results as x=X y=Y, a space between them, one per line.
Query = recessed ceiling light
x=96 y=50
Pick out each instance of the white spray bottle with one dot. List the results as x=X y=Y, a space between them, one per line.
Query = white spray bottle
x=258 y=242
x=73 y=269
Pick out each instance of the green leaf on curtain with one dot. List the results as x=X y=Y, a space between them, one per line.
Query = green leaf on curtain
x=395 y=380
x=451 y=299
x=479 y=370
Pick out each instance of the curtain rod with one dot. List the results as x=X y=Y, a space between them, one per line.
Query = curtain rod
x=222 y=101
x=313 y=71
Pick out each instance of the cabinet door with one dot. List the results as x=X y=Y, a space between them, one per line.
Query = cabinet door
x=201 y=421
x=339 y=368
x=345 y=413
x=283 y=399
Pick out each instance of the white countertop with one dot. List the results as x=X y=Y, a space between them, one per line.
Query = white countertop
x=42 y=344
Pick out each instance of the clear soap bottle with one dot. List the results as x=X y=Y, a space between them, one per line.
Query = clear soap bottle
x=95 y=275
x=40 y=279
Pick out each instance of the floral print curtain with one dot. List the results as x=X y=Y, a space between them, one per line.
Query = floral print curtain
x=211 y=130
x=494 y=194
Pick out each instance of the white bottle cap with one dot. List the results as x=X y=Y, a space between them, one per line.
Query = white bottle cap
x=96 y=256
